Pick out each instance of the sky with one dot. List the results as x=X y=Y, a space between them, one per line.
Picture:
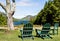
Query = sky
x=26 y=7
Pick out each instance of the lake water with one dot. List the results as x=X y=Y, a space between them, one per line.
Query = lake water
x=20 y=22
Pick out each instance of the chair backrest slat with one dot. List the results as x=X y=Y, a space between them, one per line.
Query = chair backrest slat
x=56 y=25
x=45 y=29
x=27 y=29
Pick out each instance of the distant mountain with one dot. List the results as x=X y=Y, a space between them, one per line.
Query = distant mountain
x=3 y=19
x=25 y=20
x=15 y=19
x=28 y=18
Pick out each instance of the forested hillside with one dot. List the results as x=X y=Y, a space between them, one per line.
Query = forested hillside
x=3 y=19
x=50 y=13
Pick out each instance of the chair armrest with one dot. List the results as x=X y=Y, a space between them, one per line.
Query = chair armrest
x=38 y=31
x=21 y=30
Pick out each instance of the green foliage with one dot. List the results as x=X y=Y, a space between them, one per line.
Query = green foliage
x=50 y=13
x=3 y=19
x=32 y=19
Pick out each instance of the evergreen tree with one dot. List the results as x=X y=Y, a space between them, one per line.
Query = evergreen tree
x=3 y=19
x=50 y=13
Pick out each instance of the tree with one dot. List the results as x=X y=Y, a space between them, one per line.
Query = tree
x=9 y=9
x=3 y=19
x=57 y=4
x=50 y=13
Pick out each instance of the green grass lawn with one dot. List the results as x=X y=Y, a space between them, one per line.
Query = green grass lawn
x=13 y=36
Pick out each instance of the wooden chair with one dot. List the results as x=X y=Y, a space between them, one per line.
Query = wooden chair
x=44 y=32
x=26 y=32
x=56 y=25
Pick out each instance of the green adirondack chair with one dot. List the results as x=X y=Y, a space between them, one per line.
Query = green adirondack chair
x=26 y=32
x=56 y=25
x=44 y=32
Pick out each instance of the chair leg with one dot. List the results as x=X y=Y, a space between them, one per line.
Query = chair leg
x=32 y=37
x=49 y=36
x=22 y=38
x=41 y=36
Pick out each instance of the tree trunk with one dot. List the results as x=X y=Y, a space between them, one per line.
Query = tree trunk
x=10 y=13
x=9 y=9
x=10 y=22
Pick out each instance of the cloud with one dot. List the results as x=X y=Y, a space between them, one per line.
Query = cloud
x=26 y=3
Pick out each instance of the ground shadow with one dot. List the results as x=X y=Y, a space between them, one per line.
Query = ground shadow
x=19 y=36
